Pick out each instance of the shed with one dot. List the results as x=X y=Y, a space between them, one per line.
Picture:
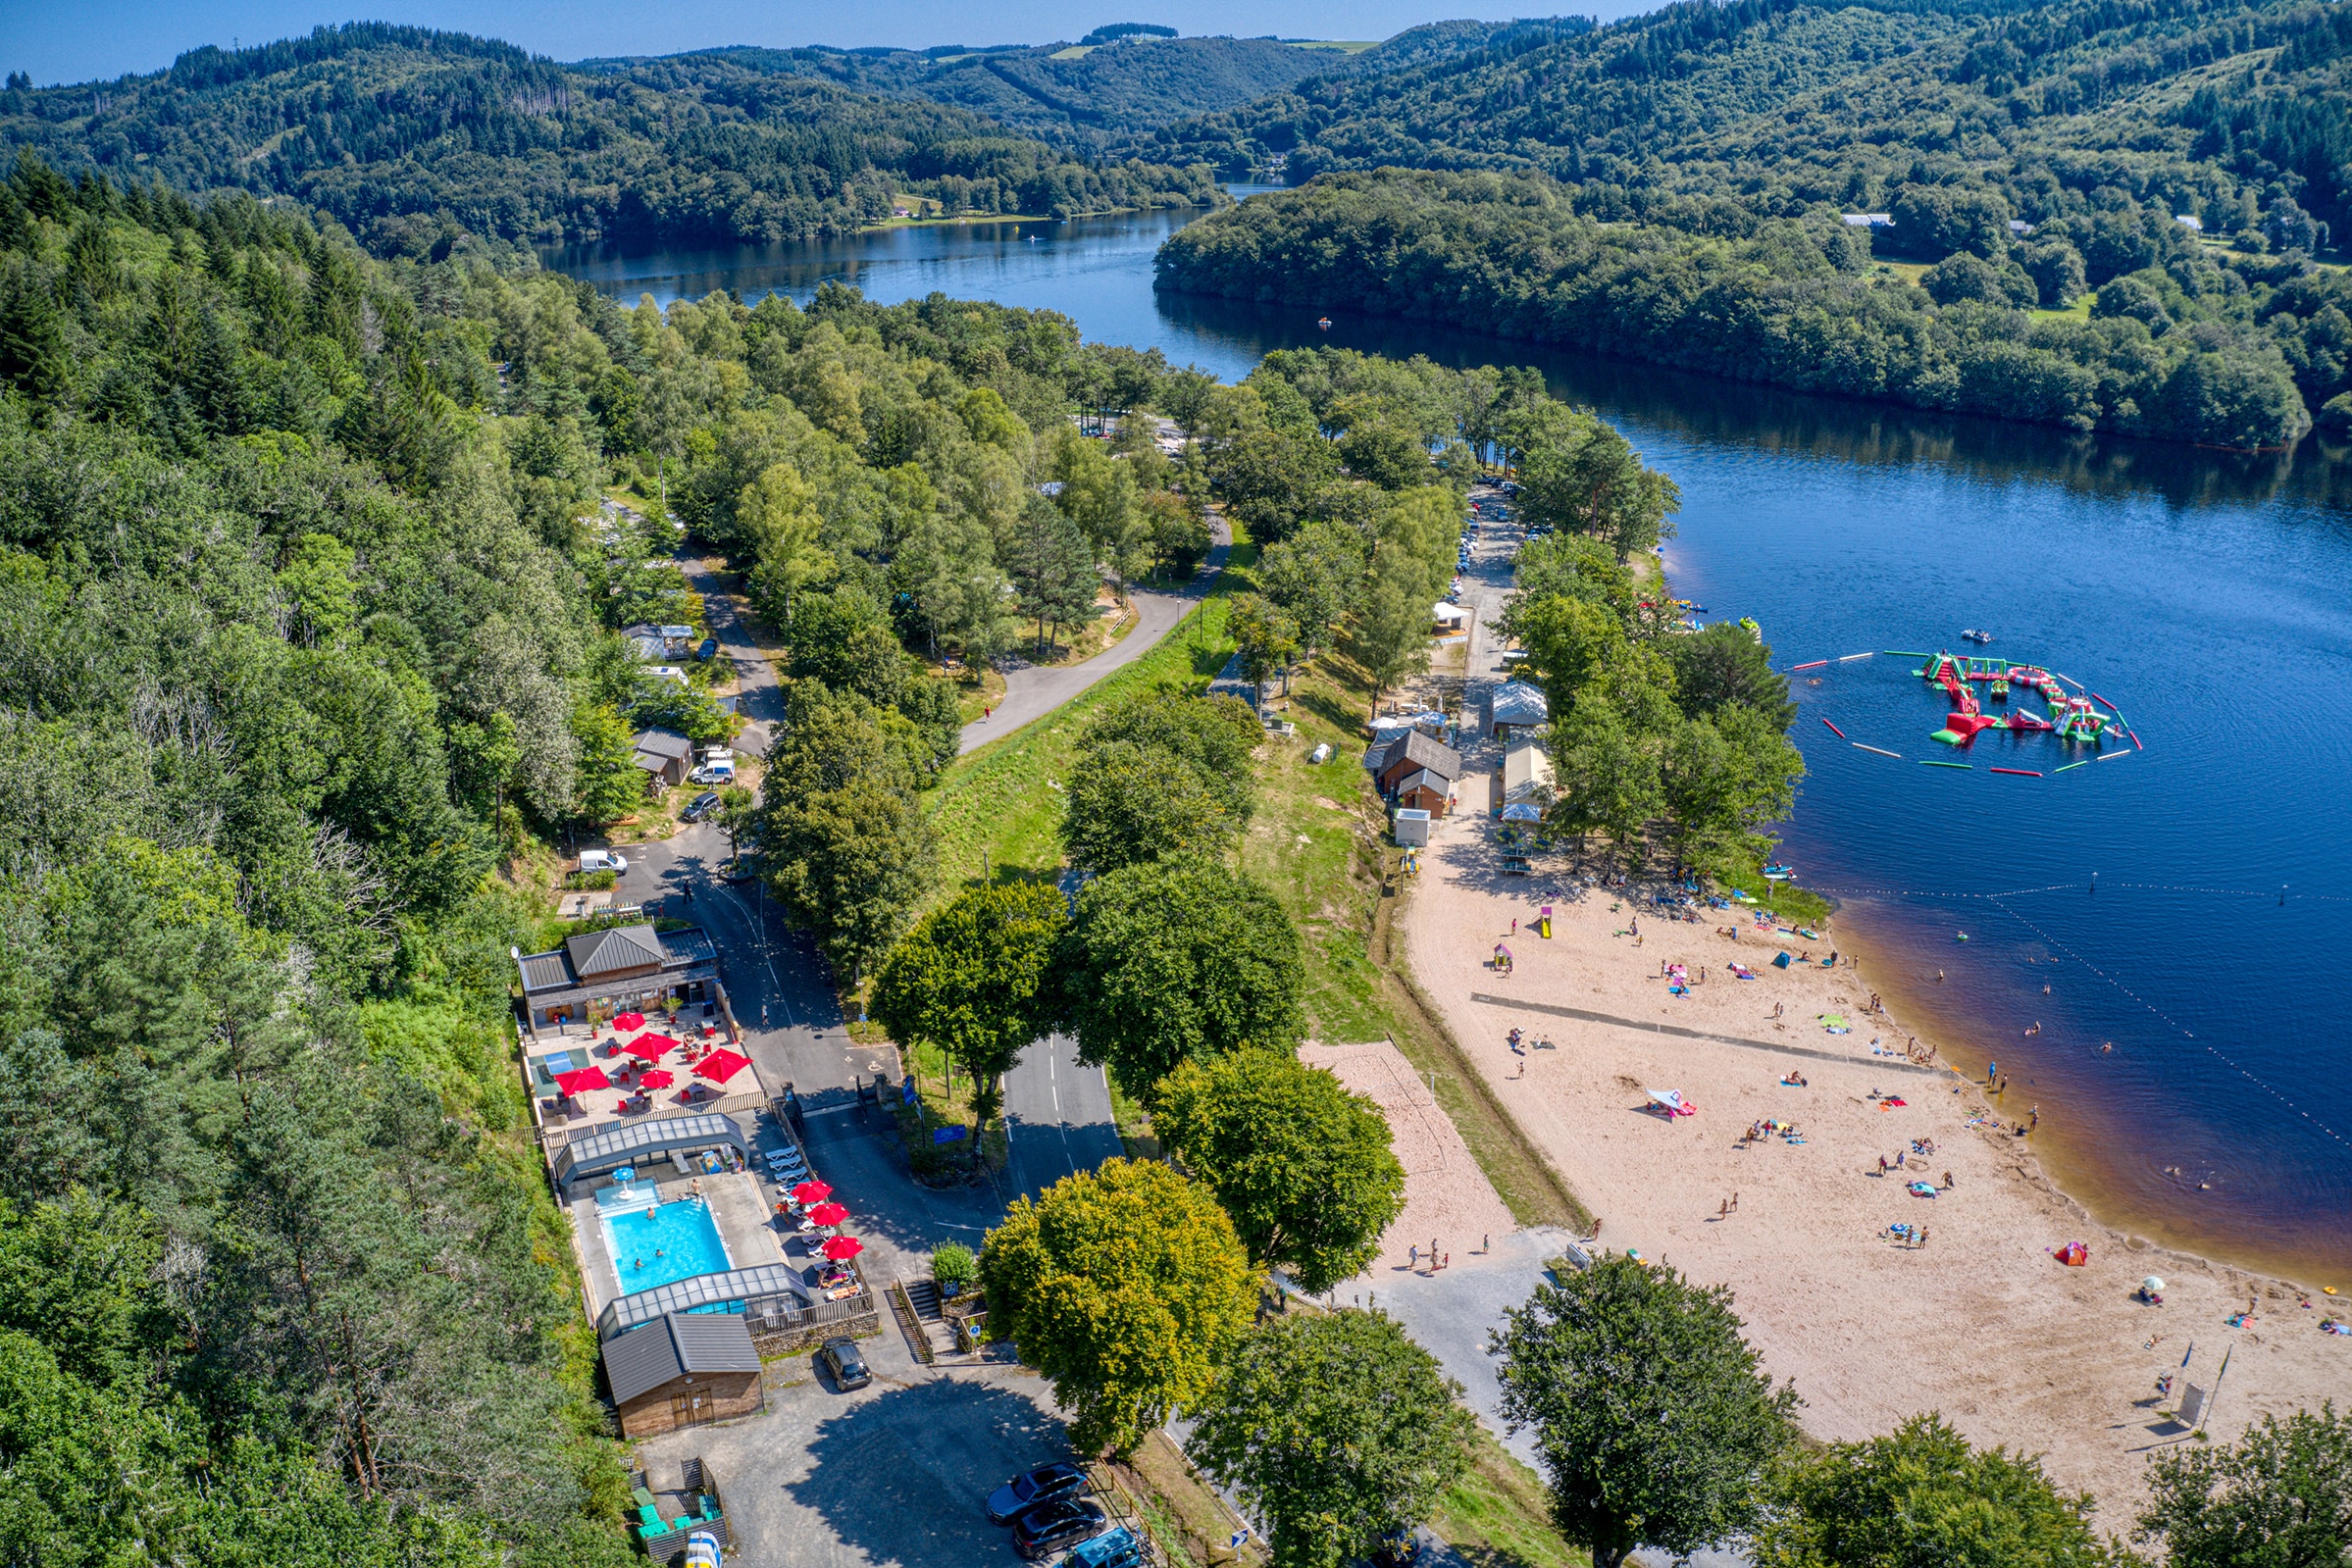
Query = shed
x=665 y=755
x=1425 y=790
x=1449 y=617
x=1411 y=826
x=683 y=1370
x=1516 y=705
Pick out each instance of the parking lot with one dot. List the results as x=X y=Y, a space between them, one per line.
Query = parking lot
x=897 y=1472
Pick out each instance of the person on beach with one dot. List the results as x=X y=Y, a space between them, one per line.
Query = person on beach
x=1948 y=1181
x=1412 y=1254
x=2033 y=1117
x=1882 y=1165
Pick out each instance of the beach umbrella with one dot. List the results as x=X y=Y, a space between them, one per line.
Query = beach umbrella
x=655 y=1078
x=1671 y=1098
x=840 y=1249
x=630 y=1021
x=812 y=1192
x=720 y=1066
x=2151 y=1283
x=580 y=1080
x=829 y=1214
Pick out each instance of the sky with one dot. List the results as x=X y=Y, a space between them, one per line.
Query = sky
x=100 y=40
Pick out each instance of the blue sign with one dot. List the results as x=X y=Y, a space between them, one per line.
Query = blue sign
x=947 y=1135
x=907 y=1094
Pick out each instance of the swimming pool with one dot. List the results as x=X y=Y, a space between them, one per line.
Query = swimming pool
x=656 y=1244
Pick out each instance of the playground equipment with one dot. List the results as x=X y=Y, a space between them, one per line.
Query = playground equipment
x=2071 y=716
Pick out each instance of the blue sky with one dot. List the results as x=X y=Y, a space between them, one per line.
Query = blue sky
x=105 y=39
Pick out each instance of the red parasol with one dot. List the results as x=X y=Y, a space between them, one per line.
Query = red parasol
x=647 y=1047
x=655 y=1078
x=829 y=1214
x=581 y=1079
x=720 y=1066
x=812 y=1192
x=840 y=1249
x=626 y=1020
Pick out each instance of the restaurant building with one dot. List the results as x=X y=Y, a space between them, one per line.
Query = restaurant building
x=621 y=969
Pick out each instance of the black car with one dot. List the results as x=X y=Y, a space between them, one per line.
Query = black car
x=1046 y=1484
x=1051 y=1526
x=848 y=1368
x=701 y=806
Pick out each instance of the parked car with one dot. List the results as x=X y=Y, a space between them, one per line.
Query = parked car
x=1045 y=1483
x=701 y=806
x=1120 y=1549
x=1049 y=1526
x=841 y=1357
x=604 y=860
x=713 y=773
x=708 y=651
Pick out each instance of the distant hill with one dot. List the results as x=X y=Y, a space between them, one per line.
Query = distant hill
x=1087 y=94
x=406 y=134
x=2227 y=109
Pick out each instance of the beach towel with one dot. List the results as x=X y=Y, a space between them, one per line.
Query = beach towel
x=1921 y=1190
x=1743 y=972
x=1891 y=1101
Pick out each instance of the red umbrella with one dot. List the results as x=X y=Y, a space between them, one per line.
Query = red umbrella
x=655 y=1078
x=651 y=1047
x=840 y=1248
x=720 y=1066
x=829 y=1214
x=628 y=1021
x=581 y=1079
x=812 y=1192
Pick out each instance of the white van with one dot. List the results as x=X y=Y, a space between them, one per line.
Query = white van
x=603 y=860
x=714 y=770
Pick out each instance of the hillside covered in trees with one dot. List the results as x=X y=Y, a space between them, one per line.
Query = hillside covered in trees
x=407 y=135
x=2181 y=341
x=1118 y=82
x=2237 y=113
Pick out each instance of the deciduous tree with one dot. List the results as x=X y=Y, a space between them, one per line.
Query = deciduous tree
x=1128 y=1289
x=1337 y=1431
x=969 y=982
x=1651 y=1423
x=2281 y=1496
x=1303 y=1167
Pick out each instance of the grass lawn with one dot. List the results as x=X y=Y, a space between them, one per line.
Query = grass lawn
x=1497 y=1516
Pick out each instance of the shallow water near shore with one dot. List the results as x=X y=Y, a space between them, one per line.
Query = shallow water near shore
x=2208 y=595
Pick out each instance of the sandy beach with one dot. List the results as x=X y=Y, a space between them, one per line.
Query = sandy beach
x=1982 y=1323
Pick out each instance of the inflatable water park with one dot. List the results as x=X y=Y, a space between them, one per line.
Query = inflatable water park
x=1984 y=693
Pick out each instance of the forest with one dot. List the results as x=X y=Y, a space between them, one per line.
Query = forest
x=313 y=650
x=2106 y=316
x=410 y=138
x=2237 y=113
x=1114 y=82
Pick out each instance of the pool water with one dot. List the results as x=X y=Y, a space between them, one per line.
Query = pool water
x=654 y=1245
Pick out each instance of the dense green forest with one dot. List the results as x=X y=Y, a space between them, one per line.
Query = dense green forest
x=308 y=653
x=409 y=137
x=1103 y=88
x=2234 y=112
x=2181 y=341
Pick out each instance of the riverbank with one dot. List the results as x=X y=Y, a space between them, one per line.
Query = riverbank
x=1982 y=1323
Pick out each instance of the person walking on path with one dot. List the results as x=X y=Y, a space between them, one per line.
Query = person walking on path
x=763 y=1015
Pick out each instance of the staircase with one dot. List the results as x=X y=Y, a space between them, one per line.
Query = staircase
x=924 y=1297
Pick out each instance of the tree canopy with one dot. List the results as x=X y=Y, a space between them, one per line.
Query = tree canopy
x=1128 y=1289
x=2281 y=1496
x=1302 y=1165
x=1921 y=1495
x=969 y=981
x=1651 y=1423
x=1337 y=1431
x=1167 y=962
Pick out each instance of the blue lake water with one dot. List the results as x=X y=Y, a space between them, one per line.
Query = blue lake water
x=2208 y=595
x=652 y=1246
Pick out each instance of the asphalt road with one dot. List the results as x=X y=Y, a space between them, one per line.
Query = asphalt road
x=1031 y=692
x=1058 y=1116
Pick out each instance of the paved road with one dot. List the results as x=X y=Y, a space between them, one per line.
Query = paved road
x=1030 y=694
x=1058 y=1113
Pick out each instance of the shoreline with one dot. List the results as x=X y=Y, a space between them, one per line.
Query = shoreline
x=2065 y=1148
x=1982 y=1323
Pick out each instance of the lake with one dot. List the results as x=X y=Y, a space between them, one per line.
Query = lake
x=2191 y=1054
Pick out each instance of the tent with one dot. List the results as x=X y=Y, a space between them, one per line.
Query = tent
x=582 y=1079
x=720 y=1066
x=2073 y=1254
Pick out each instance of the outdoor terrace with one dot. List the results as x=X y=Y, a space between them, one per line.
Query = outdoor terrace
x=585 y=1086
